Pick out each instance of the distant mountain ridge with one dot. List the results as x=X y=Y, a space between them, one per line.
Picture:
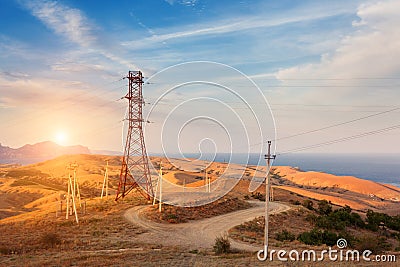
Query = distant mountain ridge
x=28 y=154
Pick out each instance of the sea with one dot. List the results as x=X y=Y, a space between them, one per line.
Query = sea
x=382 y=168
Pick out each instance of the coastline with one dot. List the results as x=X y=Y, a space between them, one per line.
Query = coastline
x=380 y=168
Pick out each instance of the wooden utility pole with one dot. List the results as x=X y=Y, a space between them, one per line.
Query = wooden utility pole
x=76 y=185
x=268 y=157
x=159 y=189
x=160 y=183
x=73 y=191
x=105 y=182
x=207 y=181
x=69 y=193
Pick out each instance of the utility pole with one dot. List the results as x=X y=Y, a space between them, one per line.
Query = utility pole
x=160 y=183
x=206 y=178
x=268 y=158
x=76 y=184
x=69 y=193
x=105 y=181
x=73 y=188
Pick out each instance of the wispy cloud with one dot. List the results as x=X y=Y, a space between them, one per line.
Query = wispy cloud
x=182 y=2
x=74 y=26
x=221 y=27
x=68 y=22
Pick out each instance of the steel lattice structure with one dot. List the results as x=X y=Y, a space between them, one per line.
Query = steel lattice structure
x=135 y=170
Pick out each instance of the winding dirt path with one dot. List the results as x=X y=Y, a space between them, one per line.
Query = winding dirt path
x=200 y=233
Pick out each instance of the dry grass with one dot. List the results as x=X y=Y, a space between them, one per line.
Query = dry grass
x=293 y=221
x=101 y=228
x=103 y=237
x=174 y=214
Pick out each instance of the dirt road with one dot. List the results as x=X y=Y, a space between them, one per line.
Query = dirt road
x=199 y=234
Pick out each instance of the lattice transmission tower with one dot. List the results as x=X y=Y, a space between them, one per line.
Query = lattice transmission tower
x=135 y=171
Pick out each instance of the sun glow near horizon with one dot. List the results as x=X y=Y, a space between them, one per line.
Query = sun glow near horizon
x=61 y=138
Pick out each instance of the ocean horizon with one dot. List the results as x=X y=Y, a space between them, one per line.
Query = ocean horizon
x=381 y=168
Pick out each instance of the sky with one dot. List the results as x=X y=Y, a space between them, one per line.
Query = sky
x=329 y=71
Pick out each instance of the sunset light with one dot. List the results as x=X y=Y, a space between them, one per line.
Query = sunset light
x=200 y=133
x=61 y=138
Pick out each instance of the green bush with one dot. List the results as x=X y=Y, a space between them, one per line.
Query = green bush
x=258 y=196
x=222 y=244
x=338 y=219
x=318 y=237
x=324 y=207
x=375 y=219
x=308 y=204
x=314 y=237
x=285 y=236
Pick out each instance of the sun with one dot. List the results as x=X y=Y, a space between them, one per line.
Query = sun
x=61 y=138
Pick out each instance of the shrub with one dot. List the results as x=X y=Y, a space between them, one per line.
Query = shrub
x=330 y=222
x=375 y=219
x=258 y=196
x=314 y=237
x=324 y=207
x=375 y=244
x=222 y=244
x=318 y=237
x=308 y=204
x=330 y=238
x=50 y=240
x=285 y=236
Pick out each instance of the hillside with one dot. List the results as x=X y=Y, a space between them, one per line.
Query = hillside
x=30 y=187
x=38 y=152
x=30 y=197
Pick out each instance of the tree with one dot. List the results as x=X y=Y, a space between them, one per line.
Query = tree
x=324 y=207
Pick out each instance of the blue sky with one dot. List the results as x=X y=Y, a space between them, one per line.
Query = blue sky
x=317 y=63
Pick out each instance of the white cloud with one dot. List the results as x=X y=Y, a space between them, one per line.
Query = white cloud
x=74 y=26
x=372 y=51
x=358 y=72
x=68 y=22
x=171 y=2
x=182 y=2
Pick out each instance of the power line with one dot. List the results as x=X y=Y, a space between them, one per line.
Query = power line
x=344 y=139
x=332 y=126
x=326 y=79
x=338 y=124
x=296 y=85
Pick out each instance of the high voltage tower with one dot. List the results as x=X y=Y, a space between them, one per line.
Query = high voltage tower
x=135 y=171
